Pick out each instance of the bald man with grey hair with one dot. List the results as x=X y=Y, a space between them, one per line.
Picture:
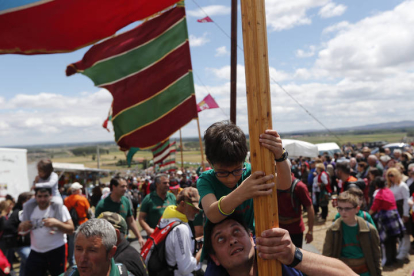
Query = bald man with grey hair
x=95 y=246
x=374 y=163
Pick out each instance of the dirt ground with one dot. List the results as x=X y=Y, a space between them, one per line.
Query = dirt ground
x=319 y=231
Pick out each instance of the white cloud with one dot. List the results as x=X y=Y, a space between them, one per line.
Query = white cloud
x=343 y=25
x=31 y=119
x=212 y=10
x=222 y=51
x=286 y=14
x=374 y=48
x=198 y=41
x=304 y=54
x=331 y=10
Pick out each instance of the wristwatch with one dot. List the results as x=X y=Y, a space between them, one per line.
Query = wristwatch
x=283 y=157
x=297 y=258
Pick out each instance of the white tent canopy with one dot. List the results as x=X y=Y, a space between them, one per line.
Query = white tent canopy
x=297 y=148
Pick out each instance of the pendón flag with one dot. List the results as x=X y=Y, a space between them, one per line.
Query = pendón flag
x=148 y=72
x=57 y=26
x=207 y=103
x=205 y=20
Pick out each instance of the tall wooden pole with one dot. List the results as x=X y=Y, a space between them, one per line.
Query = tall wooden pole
x=181 y=147
x=201 y=145
x=233 y=63
x=260 y=117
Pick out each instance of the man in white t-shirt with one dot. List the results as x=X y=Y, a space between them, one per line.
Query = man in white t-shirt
x=48 y=235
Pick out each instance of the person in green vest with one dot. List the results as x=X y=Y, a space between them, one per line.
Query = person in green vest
x=353 y=240
x=95 y=246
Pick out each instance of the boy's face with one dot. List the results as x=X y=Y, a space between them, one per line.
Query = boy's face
x=348 y=212
x=232 y=245
x=231 y=180
x=42 y=174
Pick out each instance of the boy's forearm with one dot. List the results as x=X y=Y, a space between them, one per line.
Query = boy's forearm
x=284 y=178
x=227 y=205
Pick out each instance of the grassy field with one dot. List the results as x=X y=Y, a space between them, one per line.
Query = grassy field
x=110 y=155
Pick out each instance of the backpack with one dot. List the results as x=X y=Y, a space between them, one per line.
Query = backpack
x=123 y=271
x=327 y=186
x=153 y=251
x=74 y=214
x=359 y=183
x=293 y=197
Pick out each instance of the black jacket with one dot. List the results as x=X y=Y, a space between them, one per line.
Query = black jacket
x=130 y=257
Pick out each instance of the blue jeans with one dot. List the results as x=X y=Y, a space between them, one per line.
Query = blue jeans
x=23 y=253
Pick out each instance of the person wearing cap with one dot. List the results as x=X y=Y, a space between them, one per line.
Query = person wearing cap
x=180 y=242
x=175 y=187
x=81 y=204
x=154 y=204
x=125 y=253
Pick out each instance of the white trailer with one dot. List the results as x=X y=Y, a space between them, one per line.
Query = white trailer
x=13 y=172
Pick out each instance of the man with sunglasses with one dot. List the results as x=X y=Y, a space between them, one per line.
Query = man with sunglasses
x=180 y=243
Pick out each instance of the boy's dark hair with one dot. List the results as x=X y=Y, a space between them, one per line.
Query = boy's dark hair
x=45 y=165
x=43 y=190
x=379 y=182
x=209 y=227
x=225 y=144
x=344 y=167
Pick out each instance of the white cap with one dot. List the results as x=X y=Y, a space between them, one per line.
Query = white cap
x=179 y=172
x=76 y=186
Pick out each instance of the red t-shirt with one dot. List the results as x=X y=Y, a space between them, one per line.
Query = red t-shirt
x=287 y=211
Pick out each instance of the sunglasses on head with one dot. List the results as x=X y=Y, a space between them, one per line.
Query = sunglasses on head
x=390 y=175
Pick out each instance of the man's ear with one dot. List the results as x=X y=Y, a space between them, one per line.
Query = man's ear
x=112 y=252
x=214 y=259
x=118 y=236
x=358 y=208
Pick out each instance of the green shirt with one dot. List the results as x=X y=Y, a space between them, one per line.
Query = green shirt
x=114 y=271
x=154 y=207
x=208 y=183
x=362 y=214
x=351 y=246
x=108 y=205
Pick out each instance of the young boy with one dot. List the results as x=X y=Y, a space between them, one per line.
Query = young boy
x=46 y=178
x=352 y=239
x=230 y=186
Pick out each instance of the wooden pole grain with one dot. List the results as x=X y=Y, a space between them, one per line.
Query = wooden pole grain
x=260 y=117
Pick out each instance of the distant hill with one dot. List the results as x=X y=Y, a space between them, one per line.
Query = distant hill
x=401 y=125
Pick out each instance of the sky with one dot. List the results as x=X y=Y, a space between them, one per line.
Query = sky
x=349 y=63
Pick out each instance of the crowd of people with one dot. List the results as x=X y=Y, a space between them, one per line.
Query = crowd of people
x=194 y=217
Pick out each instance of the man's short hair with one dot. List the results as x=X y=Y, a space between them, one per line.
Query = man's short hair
x=45 y=165
x=208 y=231
x=347 y=197
x=115 y=181
x=343 y=167
x=225 y=144
x=99 y=228
x=43 y=190
x=157 y=179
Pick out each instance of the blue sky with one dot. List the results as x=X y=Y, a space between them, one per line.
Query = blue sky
x=348 y=62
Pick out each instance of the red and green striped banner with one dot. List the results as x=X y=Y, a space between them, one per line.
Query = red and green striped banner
x=58 y=26
x=148 y=72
